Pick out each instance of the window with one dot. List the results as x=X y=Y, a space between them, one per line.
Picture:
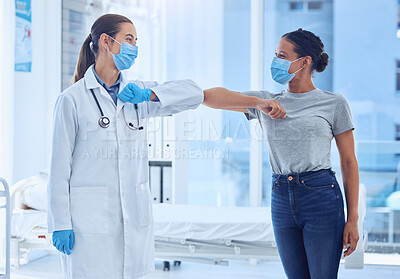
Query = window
x=314 y=5
x=398 y=77
x=397 y=132
x=305 y=5
x=398 y=18
x=296 y=6
x=218 y=156
x=73 y=36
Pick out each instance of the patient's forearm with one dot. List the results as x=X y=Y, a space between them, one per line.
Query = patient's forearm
x=221 y=98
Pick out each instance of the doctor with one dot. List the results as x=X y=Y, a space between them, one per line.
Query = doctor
x=99 y=201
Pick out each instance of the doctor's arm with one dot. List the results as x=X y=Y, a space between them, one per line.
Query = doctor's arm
x=173 y=97
x=58 y=211
x=221 y=98
x=163 y=99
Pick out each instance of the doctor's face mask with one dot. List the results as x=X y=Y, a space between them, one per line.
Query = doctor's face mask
x=126 y=56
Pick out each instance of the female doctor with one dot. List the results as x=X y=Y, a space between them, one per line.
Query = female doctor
x=99 y=202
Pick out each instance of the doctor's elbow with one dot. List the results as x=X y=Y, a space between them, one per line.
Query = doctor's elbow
x=201 y=97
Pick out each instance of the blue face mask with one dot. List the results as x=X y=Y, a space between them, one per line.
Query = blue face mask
x=280 y=70
x=126 y=56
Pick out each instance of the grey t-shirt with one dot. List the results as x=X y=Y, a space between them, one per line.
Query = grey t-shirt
x=302 y=141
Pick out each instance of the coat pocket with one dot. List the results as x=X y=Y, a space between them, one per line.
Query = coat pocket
x=144 y=205
x=89 y=209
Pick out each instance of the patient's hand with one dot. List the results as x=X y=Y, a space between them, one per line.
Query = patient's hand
x=272 y=108
x=350 y=237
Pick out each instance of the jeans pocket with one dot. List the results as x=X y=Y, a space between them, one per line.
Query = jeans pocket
x=275 y=183
x=319 y=182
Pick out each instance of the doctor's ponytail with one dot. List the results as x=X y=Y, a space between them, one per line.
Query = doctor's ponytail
x=85 y=59
x=108 y=24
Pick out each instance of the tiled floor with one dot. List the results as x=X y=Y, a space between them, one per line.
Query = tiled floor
x=49 y=268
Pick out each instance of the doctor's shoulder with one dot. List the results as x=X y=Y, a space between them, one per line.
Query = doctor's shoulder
x=69 y=97
x=75 y=90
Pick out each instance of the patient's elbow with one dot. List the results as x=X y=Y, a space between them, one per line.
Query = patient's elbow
x=349 y=162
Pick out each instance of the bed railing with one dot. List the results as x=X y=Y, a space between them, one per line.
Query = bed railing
x=6 y=195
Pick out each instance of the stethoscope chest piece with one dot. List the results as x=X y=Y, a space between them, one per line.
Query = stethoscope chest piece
x=104 y=122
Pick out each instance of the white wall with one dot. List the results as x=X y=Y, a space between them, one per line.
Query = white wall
x=35 y=92
x=6 y=87
x=6 y=105
x=27 y=99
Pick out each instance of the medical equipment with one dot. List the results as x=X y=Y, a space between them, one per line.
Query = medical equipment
x=6 y=194
x=104 y=121
x=130 y=125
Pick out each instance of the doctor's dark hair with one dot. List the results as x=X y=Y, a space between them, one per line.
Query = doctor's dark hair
x=109 y=24
x=307 y=43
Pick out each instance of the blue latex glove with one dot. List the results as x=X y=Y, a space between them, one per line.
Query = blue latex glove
x=64 y=241
x=134 y=94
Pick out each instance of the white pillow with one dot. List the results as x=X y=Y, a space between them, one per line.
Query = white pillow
x=35 y=196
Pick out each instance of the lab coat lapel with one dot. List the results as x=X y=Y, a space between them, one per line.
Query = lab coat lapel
x=121 y=103
x=92 y=83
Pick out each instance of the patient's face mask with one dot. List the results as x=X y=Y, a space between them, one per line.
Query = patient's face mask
x=280 y=70
x=126 y=56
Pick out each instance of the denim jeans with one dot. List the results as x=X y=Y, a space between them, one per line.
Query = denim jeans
x=308 y=220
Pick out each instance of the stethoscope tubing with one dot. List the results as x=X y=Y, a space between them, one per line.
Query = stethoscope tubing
x=104 y=121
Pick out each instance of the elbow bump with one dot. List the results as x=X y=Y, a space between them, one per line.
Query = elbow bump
x=202 y=98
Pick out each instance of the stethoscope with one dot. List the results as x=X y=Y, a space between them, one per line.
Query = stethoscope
x=104 y=121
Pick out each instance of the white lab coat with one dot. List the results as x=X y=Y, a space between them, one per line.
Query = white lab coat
x=98 y=183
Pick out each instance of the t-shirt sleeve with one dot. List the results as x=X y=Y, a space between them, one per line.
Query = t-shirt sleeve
x=253 y=113
x=342 y=118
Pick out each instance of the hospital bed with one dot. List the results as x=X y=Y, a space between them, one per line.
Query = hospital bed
x=210 y=234
x=203 y=234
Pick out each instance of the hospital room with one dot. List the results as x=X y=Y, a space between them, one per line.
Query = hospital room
x=199 y=139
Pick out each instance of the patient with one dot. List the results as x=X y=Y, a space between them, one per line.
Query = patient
x=299 y=124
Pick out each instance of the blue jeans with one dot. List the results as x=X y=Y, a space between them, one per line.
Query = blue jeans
x=308 y=220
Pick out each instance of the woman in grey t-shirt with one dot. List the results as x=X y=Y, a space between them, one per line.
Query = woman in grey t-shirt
x=299 y=124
